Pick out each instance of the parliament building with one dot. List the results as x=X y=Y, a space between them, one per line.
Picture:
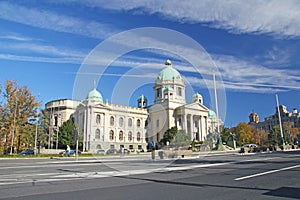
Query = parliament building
x=103 y=125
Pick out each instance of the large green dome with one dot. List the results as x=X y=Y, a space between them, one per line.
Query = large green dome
x=94 y=95
x=168 y=73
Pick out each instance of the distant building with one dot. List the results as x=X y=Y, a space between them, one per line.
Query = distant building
x=270 y=122
x=104 y=125
x=253 y=118
x=59 y=111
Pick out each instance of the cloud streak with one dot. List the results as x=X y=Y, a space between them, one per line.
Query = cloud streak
x=53 y=21
x=279 y=18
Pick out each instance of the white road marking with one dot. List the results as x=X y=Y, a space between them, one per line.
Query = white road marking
x=34 y=178
x=267 y=172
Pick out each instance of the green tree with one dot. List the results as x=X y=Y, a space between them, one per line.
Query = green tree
x=66 y=135
x=168 y=135
x=181 y=139
x=175 y=137
x=43 y=134
x=225 y=134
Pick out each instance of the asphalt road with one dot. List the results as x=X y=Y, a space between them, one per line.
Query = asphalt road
x=205 y=176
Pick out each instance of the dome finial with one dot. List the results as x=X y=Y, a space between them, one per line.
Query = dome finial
x=94 y=84
x=168 y=62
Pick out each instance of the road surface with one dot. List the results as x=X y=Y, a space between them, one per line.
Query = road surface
x=205 y=176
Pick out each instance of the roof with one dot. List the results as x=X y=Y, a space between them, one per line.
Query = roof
x=197 y=95
x=94 y=95
x=211 y=114
x=169 y=73
x=142 y=97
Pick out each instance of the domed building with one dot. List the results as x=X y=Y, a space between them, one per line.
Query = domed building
x=170 y=108
x=111 y=126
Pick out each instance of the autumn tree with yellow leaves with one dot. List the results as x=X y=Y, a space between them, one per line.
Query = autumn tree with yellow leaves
x=17 y=105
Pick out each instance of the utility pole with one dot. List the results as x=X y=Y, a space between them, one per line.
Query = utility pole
x=216 y=102
x=76 y=135
x=36 y=132
x=279 y=118
x=13 y=130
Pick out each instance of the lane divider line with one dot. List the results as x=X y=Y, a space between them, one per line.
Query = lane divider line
x=267 y=172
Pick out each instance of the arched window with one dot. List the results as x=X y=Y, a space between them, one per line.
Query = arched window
x=138 y=123
x=121 y=121
x=98 y=146
x=129 y=136
x=138 y=136
x=98 y=119
x=121 y=135
x=112 y=121
x=111 y=135
x=130 y=122
x=97 y=134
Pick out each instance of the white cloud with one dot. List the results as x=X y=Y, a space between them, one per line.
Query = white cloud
x=73 y=60
x=48 y=50
x=16 y=38
x=53 y=21
x=280 y=18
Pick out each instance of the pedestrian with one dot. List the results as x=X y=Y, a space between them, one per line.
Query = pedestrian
x=68 y=150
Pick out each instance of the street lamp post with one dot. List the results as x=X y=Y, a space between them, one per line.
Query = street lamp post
x=35 y=137
x=35 y=121
x=13 y=131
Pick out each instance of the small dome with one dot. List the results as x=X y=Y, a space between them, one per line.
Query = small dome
x=142 y=97
x=211 y=114
x=197 y=95
x=94 y=95
x=168 y=73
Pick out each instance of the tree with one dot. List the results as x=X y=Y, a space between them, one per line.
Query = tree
x=226 y=134
x=181 y=139
x=66 y=135
x=175 y=137
x=43 y=134
x=260 y=136
x=244 y=134
x=290 y=133
x=17 y=106
x=168 y=135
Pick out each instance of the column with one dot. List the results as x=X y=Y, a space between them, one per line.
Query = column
x=84 y=130
x=199 y=128
x=185 y=122
x=177 y=122
x=103 y=122
x=204 y=129
x=191 y=127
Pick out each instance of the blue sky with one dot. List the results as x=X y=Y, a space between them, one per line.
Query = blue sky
x=254 y=46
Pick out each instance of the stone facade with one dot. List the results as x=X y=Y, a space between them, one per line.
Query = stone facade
x=105 y=126
x=270 y=122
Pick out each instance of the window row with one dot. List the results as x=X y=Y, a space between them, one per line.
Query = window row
x=121 y=136
x=121 y=121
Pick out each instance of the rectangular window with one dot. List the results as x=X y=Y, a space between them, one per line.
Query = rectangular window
x=158 y=92
x=179 y=90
